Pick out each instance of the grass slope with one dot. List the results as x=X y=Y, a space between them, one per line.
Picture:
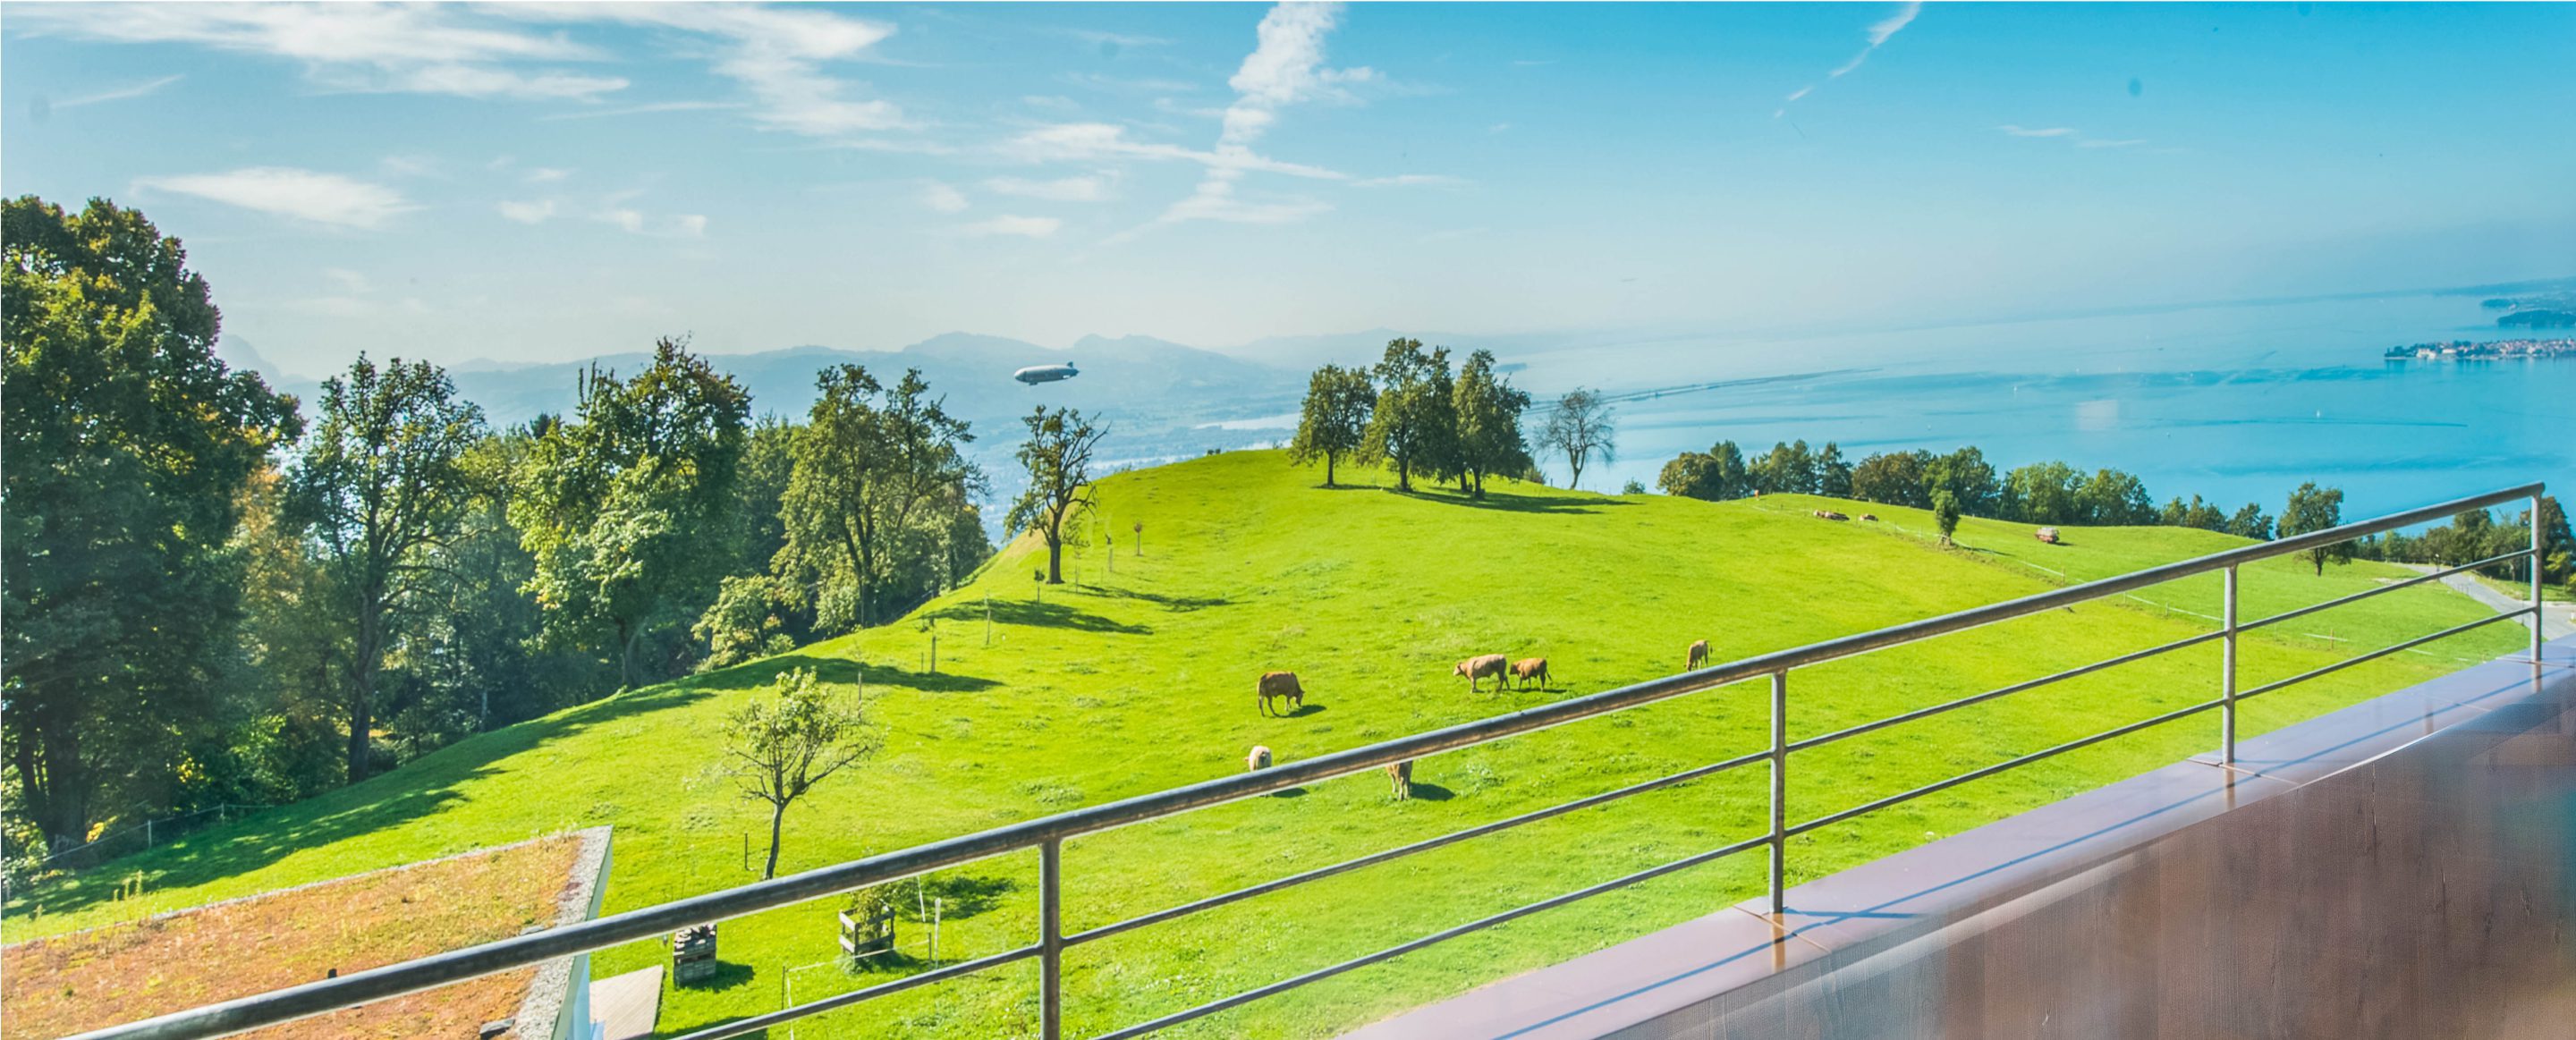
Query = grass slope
x=1143 y=680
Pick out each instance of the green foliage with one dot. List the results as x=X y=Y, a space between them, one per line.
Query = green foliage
x=1057 y=456
x=612 y=504
x=1714 y=475
x=1335 y=418
x=2045 y=493
x=1488 y=413
x=1894 y=478
x=2313 y=508
x=747 y=621
x=1945 y=513
x=1967 y=476
x=1581 y=427
x=381 y=488
x=871 y=498
x=794 y=737
x=127 y=443
x=2250 y=522
x=1632 y=488
x=1415 y=425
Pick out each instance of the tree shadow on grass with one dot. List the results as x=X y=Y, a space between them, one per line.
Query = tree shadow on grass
x=1512 y=503
x=1040 y=615
x=1177 y=604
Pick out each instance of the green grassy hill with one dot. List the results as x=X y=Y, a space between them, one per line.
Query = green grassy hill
x=1143 y=679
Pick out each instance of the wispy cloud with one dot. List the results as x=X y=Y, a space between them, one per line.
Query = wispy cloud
x=1024 y=227
x=2070 y=135
x=1878 y=35
x=545 y=175
x=321 y=198
x=778 y=56
x=528 y=212
x=1063 y=189
x=940 y=198
x=635 y=222
x=637 y=110
x=1286 y=67
x=357 y=47
x=120 y=93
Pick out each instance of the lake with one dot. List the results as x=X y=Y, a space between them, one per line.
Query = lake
x=2235 y=403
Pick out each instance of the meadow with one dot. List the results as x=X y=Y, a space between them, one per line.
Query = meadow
x=1140 y=677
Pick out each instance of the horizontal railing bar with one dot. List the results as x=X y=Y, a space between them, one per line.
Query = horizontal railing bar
x=836 y=1001
x=361 y=987
x=1212 y=902
x=2376 y=590
x=2383 y=652
x=2010 y=763
x=1443 y=935
x=2018 y=687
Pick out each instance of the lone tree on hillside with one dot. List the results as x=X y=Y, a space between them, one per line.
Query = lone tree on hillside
x=1058 y=458
x=1415 y=425
x=1336 y=420
x=785 y=743
x=1488 y=413
x=1945 y=512
x=2313 y=508
x=381 y=487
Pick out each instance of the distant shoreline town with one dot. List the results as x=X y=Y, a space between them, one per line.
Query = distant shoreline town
x=2493 y=350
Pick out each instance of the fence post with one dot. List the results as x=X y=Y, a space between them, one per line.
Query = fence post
x=1779 y=791
x=1051 y=939
x=2536 y=613
x=2227 y=675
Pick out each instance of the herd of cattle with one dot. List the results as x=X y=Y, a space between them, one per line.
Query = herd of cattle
x=1284 y=686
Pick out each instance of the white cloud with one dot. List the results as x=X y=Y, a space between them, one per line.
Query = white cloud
x=323 y=198
x=348 y=280
x=686 y=225
x=1064 y=189
x=546 y=175
x=1286 y=67
x=1091 y=142
x=941 y=198
x=658 y=106
x=411 y=49
x=120 y=93
x=1878 y=34
x=529 y=212
x=1025 y=227
x=2070 y=135
x=778 y=55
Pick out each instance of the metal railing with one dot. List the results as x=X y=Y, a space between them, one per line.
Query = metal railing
x=1048 y=834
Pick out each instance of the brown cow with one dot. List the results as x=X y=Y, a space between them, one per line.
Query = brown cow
x=1698 y=656
x=1530 y=668
x=1281 y=684
x=1400 y=774
x=1480 y=666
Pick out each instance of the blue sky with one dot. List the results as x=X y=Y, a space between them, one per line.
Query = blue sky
x=543 y=183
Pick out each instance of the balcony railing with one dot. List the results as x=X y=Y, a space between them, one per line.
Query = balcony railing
x=1048 y=834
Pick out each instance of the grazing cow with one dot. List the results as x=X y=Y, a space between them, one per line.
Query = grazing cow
x=1281 y=684
x=1828 y=514
x=1871 y=517
x=1530 y=668
x=1400 y=774
x=1698 y=656
x=1258 y=760
x=1480 y=666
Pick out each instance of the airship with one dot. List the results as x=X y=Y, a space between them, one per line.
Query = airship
x=1035 y=374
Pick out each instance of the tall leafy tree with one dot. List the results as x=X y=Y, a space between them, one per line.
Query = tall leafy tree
x=2313 y=508
x=382 y=488
x=1335 y=418
x=2044 y=493
x=1945 y=513
x=1580 y=427
x=924 y=467
x=1415 y=425
x=1057 y=456
x=2111 y=496
x=867 y=465
x=126 y=444
x=1966 y=475
x=1488 y=411
x=1787 y=469
x=1833 y=472
x=1893 y=478
x=615 y=503
x=2250 y=522
x=1716 y=475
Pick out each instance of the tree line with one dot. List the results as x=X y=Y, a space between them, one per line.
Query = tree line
x=213 y=597
x=1411 y=414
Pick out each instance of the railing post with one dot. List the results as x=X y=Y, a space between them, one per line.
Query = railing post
x=2536 y=614
x=1051 y=939
x=2227 y=675
x=1779 y=793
